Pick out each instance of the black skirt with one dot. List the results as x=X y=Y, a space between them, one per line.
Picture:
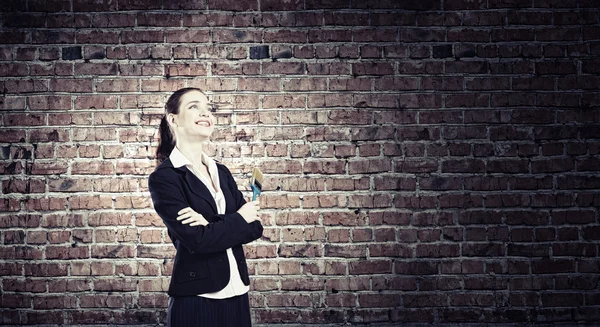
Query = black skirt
x=197 y=311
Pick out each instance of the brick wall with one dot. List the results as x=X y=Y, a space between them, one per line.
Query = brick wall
x=426 y=161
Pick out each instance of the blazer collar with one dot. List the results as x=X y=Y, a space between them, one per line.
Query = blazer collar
x=195 y=184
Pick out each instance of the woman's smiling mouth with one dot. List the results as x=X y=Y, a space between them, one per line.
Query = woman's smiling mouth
x=203 y=122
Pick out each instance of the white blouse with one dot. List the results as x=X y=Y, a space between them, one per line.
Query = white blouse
x=235 y=286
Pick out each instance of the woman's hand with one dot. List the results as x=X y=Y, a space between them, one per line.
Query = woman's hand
x=249 y=211
x=191 y=217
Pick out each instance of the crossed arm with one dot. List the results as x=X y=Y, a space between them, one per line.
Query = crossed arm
x=236 y=228
x=187 y=215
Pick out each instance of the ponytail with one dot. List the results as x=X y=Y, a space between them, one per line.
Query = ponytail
x=166 y=143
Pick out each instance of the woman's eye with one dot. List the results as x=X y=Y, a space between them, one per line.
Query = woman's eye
x=194 y=107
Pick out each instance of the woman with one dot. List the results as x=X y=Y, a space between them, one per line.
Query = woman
x=207 y=219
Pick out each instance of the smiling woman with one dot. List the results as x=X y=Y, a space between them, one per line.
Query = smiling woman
x=206 y=216
x=184 y=109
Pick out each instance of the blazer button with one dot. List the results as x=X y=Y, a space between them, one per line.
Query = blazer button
x=193 y=274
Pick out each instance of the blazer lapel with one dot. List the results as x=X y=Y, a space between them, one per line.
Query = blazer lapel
x=199 y=188
x=230 y=203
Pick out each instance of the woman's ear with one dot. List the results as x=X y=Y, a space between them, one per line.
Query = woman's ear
x=171 y=119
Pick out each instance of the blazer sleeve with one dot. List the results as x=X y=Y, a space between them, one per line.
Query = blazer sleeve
x=168 y=199
x=255 y=226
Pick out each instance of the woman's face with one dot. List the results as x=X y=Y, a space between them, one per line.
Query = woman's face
x=195 y=120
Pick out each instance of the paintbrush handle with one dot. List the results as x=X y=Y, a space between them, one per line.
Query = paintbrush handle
x=255 y=192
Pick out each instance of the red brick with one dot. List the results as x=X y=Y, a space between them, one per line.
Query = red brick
x=379 y=300
x=346 y=251
x=98 y=37
x=372 y=68
x=187 y=36
x=309 y=251
x=59 y=237
x=104 y=5
x=304 y=84
x=325 y=52
x=437 y=251
x=286 y=68
x=107 y=85
x=54 y=302
x=301 y=284
x=185 y=70
x=153 y=285
x=235 y=36
x=277 y=316
x=71 y=85
x=13 y=69
x=14 y=237
x=328 y=69
x=62 y=252
x=92 y=168
x=377 y=35
x=43 y=317
x=112 y=251
x=390 y=250
x=259 y=84
x=210 y=19
x=281 y=300
x=370 y=267
x=82 y=235
x=46 y=269
x=340 y=300
x=87 y=316
x=101 y=301
x=387 y=83
x=142 y=36
x=24 y=120
x=26 y=86
x=37 y=237
x=67 y=20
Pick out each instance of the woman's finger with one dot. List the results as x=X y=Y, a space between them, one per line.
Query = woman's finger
x=184 y=210
x=185 y=215
x=199 y=221
x=188 y=221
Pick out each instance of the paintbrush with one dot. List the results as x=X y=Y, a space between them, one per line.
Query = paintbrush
x=256 y=182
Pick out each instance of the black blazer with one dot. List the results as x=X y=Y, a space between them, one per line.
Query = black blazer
x=201 y=264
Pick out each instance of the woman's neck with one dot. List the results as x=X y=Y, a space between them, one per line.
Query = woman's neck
x=192 y=151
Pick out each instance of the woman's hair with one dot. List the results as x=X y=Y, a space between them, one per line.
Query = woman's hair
x=166 y=142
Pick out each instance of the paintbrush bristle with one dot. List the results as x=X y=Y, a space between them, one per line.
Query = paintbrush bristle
x=257 y=177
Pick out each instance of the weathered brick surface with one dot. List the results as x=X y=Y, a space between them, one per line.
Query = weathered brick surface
x=426 y=161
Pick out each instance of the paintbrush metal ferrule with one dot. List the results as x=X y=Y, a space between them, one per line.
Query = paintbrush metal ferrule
x=256 y=182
